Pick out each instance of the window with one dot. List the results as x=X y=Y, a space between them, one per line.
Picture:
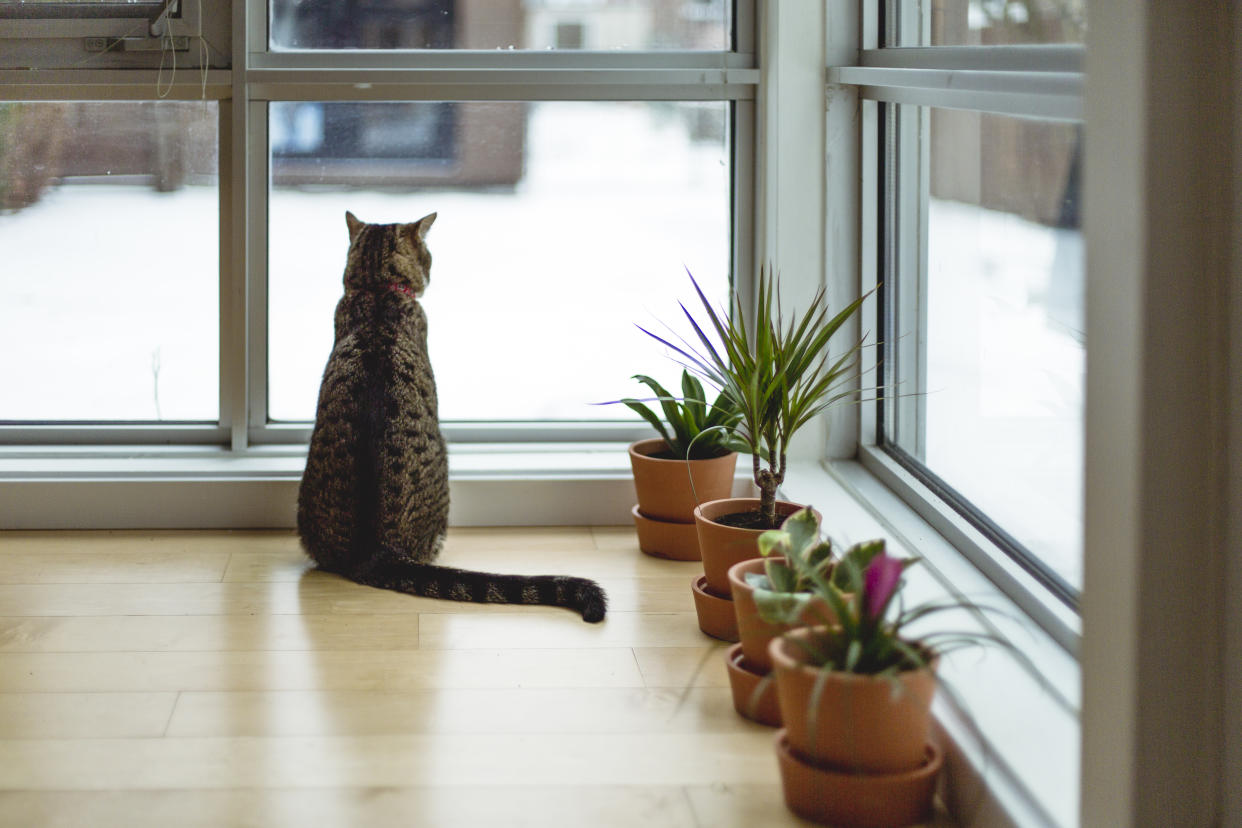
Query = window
x=580 y=155
x=107 y=34
x=599 y=25
x=975 y=160
x=110 y=281
x=540 y=206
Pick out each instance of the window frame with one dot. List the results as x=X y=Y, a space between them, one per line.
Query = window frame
x=1043 y=82
x=250 y=75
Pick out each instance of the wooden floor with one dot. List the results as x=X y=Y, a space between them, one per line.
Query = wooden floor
x=213 y=679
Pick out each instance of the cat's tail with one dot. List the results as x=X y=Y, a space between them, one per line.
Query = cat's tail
x=431 y=581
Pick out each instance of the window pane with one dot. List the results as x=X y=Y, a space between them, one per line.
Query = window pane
x=995 y=22
x=110 y=233
x=560 y=226
x=598 y=25
x=999 y=411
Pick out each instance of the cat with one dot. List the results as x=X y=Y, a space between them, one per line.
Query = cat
x=373 y=503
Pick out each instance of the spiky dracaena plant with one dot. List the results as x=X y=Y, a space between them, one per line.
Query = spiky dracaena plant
x=779 y=375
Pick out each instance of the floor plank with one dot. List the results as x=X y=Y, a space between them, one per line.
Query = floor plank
x=208 y=633
x=316 y=593
x=84 y=715
x=612 y=806
x=87 y=672
x=461 y=631
x=120 y=567
x=545 y=710
x=387 y=760
x=701 y=666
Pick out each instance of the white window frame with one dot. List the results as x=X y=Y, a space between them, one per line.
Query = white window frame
x=1159 y=649
x=1000 y=771
x=1044 y=82
x=70 y=475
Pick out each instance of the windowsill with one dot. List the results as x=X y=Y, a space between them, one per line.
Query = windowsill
x=285 y=462
x=1025 y=772
x=204 y=487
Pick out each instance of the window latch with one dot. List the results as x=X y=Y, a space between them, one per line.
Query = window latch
x=159 y=18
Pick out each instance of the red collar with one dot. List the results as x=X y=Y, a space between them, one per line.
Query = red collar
x=406 y=289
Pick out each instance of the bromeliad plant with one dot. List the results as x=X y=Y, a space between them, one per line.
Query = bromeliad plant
x=786 y=588
x=777 y=374
x=863 y=588
x=692 y=429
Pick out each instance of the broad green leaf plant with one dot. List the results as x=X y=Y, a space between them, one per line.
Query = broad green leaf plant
x=864 y=590
x=777 y=375
x=692 y=429
x=785 y=588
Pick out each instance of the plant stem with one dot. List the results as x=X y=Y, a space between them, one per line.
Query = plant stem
x=767 y=500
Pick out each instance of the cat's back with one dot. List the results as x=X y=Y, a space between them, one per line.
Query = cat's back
x=376 y=450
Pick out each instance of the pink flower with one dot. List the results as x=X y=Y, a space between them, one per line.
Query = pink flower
x=880 y=581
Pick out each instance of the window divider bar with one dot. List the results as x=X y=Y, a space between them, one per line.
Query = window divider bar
x=114 y=85
x=17 y=438
x=498 y=84
x=234 y=307
x=1045 y=95
x=413 y=91
x=1020 y=58
x=460 y=433
x=744 y=28
x=500 y=61
x=257 y=260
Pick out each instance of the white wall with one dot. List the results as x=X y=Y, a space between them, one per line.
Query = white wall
x=1161 y=500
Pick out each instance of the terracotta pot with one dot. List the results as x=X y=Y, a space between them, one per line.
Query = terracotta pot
x=754 y=692
x=858 y=724
x=664 y=486
x=666 y=539
x=755 y=633
x=858 y=800
x=716 y=617
x=722 y=546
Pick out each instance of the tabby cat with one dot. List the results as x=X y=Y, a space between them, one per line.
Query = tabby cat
x=373 y=505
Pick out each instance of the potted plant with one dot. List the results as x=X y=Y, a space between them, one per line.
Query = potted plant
x=783 y=581
x=855 y=697
x=778 y=376
x=691 y=462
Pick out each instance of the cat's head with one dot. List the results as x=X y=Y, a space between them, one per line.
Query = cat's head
x=388 y=254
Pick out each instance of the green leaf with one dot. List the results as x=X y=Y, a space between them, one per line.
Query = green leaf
x=773 y=542
x=648 y=415
x=758 y=580
x=848 y=573
x=852 y=654
x=780 y=576
x=694 y=400
x=780 y=607
x=803 y=530
x=819 y=556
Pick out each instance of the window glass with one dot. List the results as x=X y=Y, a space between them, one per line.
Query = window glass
x=597 y=25
x=110 y=231
x=560 y=226
x=1007 y=22
x=997 y=412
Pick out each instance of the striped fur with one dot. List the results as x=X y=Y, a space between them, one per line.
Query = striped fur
x=373 y=504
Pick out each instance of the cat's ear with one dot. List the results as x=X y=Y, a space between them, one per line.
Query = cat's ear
x=354 y=225
x=420 y=227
